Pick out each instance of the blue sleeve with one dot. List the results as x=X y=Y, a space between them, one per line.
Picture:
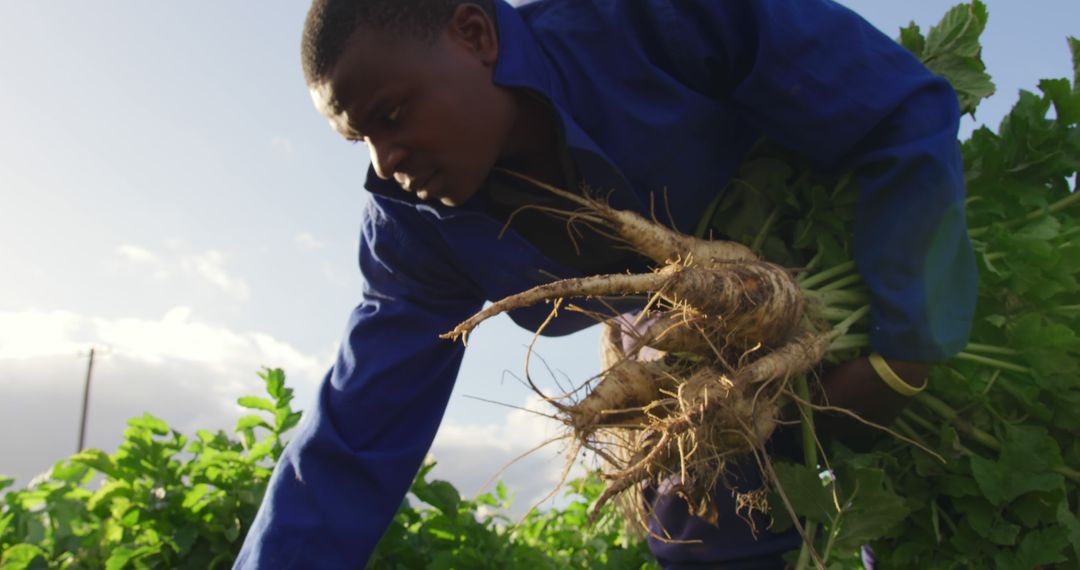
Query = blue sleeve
x=817 y=78
x=349 y=465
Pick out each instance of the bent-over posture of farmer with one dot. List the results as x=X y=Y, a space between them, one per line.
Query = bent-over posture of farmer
x=629 y=97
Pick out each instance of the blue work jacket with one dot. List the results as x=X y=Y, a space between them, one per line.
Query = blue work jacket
x=652 y=96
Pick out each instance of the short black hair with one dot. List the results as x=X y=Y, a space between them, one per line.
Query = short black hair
x=331 y=24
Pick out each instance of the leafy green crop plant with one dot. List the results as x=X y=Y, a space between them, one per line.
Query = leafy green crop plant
x=987 y=471
x=163 y=500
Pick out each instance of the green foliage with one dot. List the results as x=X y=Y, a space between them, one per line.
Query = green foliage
x=453 y=532
x=163 y=500
x=951 y=49
x=1001 y=487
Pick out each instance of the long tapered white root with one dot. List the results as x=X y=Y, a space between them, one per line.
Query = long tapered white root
x=758 y=300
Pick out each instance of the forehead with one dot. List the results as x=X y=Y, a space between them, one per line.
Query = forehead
x=372 y=66
x=373 y=61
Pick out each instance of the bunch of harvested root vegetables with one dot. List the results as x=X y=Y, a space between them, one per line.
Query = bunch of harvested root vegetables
x=732 y=332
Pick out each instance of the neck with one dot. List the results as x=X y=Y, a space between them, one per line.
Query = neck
x=533 y=141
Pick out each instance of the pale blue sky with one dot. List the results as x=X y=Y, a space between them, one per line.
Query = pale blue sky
x=164 y=155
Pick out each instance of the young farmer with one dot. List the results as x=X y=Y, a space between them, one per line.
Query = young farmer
x=629 y=97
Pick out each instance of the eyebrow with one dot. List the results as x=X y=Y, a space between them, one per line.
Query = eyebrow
x=377 y=102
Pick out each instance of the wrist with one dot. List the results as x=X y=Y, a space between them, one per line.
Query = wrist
x=905 y=378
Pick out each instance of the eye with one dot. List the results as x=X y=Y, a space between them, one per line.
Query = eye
x=393 y=115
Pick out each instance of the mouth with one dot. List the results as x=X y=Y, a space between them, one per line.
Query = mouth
x=427 y=187
x=411 y=183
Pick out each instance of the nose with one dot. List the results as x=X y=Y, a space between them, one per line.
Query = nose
x=385 y=157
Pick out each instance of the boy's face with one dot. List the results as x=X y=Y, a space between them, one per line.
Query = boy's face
x=430 y=114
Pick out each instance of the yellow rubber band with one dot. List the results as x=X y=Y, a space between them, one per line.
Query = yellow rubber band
x=891 y=378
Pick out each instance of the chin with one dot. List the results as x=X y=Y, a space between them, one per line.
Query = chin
x=455 y=197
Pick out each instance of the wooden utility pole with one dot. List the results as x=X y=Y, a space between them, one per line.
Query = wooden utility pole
x=85 y=401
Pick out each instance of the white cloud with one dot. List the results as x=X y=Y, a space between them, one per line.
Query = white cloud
x=208 y=266
x=137 y=254
x=176 y=336
x=211 y=267
x=31 y=334
x=186 y=371
x=307 y=240
x=470 y=455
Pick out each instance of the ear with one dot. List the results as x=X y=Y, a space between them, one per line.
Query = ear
x=472 y=28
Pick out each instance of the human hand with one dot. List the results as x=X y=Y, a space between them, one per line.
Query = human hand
x=857 y=387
